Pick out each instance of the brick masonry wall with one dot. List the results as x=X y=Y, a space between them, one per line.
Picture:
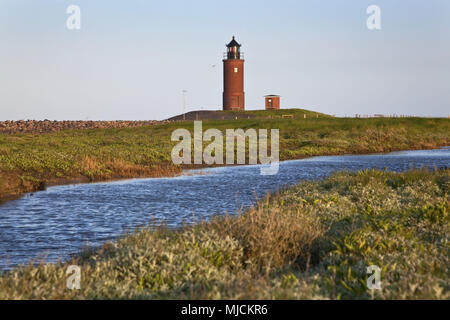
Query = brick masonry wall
x=233 y=85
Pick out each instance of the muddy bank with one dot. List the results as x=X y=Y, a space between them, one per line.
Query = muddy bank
x=19 y=187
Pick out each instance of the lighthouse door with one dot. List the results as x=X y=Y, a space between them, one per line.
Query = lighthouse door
x=234 y=102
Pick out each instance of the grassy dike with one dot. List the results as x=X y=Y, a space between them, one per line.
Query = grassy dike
x=30 y=162
x=313 y=240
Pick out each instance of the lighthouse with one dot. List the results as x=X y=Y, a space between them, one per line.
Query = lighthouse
x=233 y=78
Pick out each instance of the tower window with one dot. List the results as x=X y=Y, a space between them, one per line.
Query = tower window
x=236 y=70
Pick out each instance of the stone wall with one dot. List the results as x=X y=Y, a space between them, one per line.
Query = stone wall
x=34 y=126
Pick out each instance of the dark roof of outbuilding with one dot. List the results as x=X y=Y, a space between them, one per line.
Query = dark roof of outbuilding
x=233 y=43
x=272 y=96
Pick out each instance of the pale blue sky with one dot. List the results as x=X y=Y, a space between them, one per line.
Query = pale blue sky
x=132 y=59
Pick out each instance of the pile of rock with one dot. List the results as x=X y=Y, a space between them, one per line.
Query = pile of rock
x=35 y=126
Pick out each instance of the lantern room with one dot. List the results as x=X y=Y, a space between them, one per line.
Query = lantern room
x=233 y=50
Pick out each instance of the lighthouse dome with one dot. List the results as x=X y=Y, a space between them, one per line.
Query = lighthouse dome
x=233 y=43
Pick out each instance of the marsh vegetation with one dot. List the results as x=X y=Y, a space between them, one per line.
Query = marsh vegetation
x=29 y=162
x=313 y=240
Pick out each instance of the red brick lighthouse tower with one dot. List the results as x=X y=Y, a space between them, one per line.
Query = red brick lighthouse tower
x=233 y=78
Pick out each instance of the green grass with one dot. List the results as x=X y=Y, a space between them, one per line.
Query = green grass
x=278 y=114
x=28 y=162
x=311 y=241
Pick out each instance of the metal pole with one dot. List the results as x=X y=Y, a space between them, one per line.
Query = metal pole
x=184 y=104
